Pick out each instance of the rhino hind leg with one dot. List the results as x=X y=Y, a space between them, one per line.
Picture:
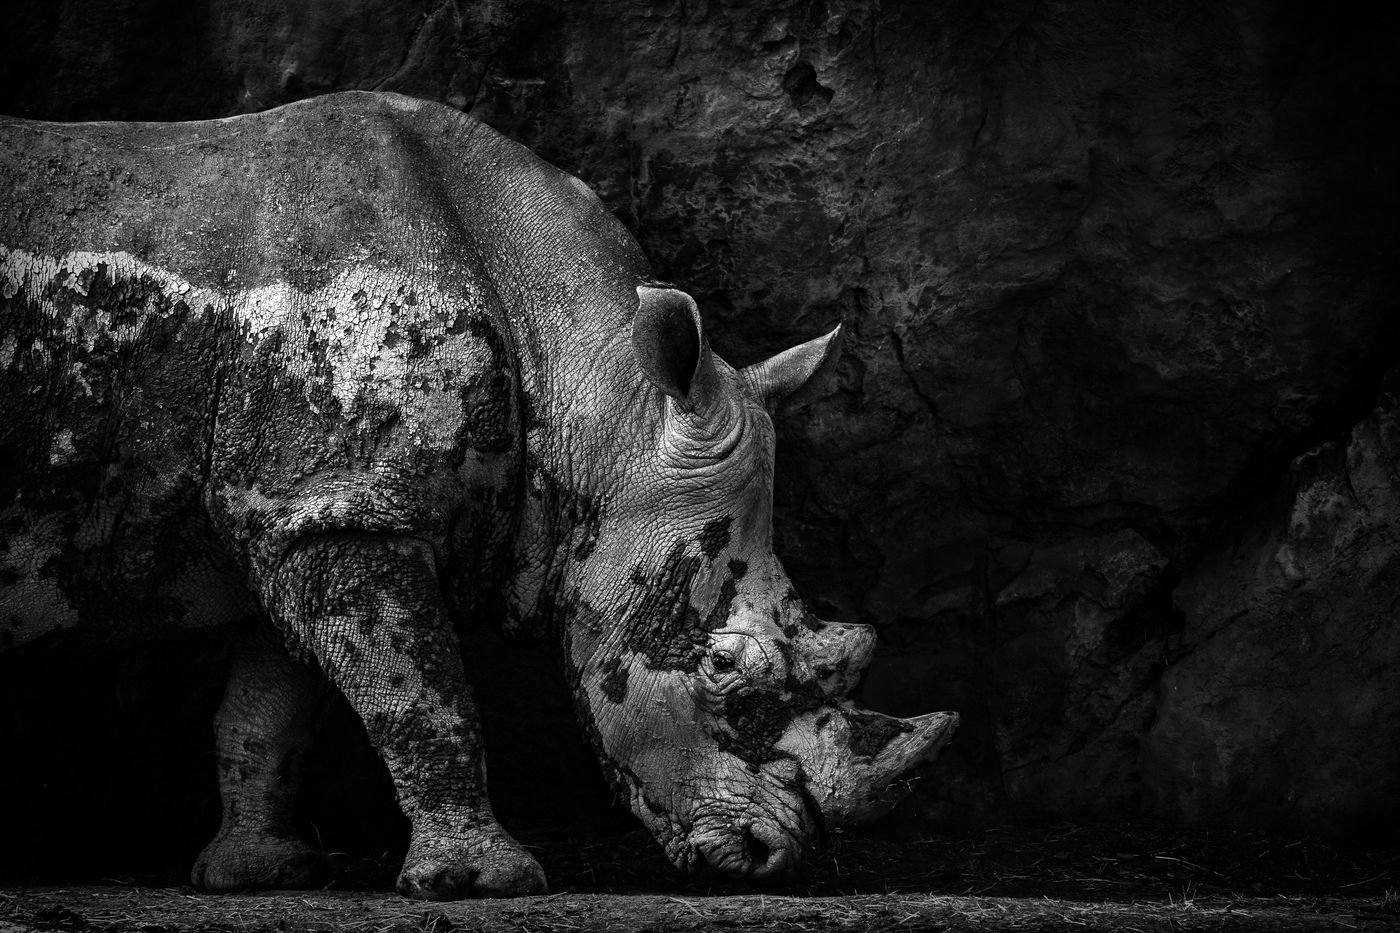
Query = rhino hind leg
x=369 y=608
x=262 y=730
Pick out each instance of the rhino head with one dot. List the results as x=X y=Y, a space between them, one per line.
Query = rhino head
x=717 y=700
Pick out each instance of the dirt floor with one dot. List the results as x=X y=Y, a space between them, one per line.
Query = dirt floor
x=1137 y=877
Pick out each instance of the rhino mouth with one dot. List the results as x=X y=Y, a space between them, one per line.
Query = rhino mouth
x=759 y=849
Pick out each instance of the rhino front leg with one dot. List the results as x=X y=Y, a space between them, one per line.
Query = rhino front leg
x=262 y=730
x=369 y=607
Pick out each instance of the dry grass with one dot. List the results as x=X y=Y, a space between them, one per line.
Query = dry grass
x=1056 y=878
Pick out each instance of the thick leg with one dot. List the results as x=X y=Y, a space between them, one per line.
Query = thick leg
x=370 y=608
x=262 y=730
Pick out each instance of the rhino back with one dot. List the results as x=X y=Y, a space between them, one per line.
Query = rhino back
x=302 y=320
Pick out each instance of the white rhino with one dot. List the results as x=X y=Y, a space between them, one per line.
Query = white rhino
x=338 y=374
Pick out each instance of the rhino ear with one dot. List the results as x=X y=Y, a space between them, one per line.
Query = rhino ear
x=667 y=340
x=783 y=377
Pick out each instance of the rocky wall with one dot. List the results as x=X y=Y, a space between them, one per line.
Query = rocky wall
x=1108 y=458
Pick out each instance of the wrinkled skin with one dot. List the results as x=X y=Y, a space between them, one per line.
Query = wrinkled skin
x=343 y=376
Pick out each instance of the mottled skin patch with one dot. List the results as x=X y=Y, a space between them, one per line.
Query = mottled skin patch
x=660 y=625
x=614 y=680
x=353 y=370
x=870 y=734
x=756 y=723
x=105 y=418
x=714 y=537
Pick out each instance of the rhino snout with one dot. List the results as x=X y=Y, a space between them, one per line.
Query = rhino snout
x=757 y=851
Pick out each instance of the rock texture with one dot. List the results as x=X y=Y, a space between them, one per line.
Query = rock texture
x=1108 y=271
x=1284 y=709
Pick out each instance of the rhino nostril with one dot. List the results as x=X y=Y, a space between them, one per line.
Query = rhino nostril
x=757 y=850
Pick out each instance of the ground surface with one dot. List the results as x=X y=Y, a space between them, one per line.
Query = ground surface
x=1056 y=878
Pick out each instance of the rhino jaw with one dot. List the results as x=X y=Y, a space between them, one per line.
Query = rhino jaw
x=856 y=763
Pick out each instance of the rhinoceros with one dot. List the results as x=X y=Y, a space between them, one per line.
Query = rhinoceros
x=338 y=376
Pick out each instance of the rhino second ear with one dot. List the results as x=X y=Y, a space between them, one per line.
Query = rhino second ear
x=666 y=338
x=783 y=377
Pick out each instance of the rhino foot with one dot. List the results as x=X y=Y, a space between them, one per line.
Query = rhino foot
x=486 y=864
x=243 y=860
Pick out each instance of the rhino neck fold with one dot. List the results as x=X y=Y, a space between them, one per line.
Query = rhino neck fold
x=586 y=418
x=563 y=276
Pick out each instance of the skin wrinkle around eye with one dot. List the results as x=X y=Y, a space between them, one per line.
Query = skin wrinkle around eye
x=753 y=675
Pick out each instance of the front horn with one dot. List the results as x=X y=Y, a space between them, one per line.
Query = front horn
x=856 y=763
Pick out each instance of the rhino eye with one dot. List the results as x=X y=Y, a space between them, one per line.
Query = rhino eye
x=722 y=661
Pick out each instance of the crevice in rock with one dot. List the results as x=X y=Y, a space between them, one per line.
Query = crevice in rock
x=1153 y=619
x=804 y=89
x=429 y=20
x=1263 y=485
